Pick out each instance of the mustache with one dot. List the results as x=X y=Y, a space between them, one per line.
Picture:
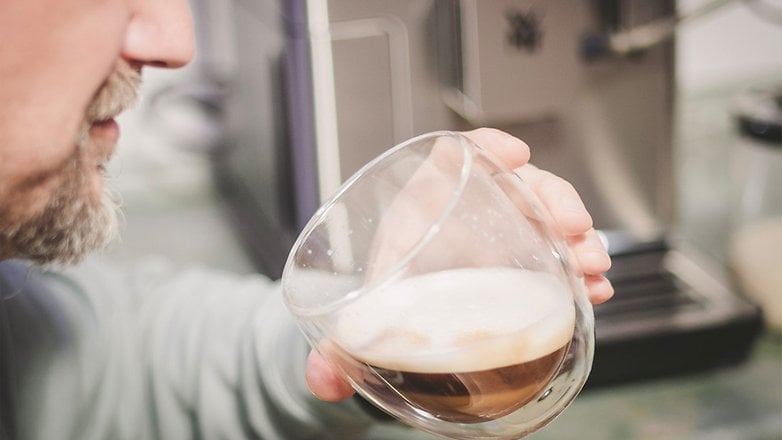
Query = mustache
x=118 y=92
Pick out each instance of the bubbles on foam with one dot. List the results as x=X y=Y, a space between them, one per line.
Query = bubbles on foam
x=458 y=320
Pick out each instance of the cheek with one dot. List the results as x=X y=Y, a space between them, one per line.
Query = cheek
x=60 y=55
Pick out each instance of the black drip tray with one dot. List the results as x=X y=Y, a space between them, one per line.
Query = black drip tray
x=668 y=316
x=648 y=295
x=643 y=285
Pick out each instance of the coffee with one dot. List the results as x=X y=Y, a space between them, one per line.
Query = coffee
x=465 y=345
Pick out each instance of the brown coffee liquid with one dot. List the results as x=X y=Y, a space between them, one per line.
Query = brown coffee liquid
x=464 y=345
x=474 y=397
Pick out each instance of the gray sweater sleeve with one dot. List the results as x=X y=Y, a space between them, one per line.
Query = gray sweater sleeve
x=159 y=352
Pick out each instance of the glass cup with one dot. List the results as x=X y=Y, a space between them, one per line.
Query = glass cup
x=435 y=283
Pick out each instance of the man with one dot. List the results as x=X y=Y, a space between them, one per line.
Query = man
x=157 y=352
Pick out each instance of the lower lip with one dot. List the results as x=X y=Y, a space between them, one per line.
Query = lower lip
x=108 y=130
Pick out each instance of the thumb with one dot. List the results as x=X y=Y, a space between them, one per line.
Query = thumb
x=324 y=381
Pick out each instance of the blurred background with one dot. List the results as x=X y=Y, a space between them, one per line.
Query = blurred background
x=664 y=114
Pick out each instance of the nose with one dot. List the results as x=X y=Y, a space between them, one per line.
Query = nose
x=160 y=34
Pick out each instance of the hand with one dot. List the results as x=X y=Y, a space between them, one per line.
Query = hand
x=566 y=208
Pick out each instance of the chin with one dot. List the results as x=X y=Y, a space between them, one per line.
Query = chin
x=78 y=216
x=95 y=187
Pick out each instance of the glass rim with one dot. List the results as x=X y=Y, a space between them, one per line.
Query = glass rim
x=388 y=275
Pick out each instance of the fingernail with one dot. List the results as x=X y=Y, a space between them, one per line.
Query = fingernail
x=573 y=204
x=596 y=259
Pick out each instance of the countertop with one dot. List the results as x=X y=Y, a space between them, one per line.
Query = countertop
x=738 y=403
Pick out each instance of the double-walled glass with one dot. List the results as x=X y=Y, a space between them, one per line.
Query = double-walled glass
x=434 y=282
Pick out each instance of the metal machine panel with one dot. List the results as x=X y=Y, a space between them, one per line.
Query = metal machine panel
x=603 y=125
x=363 y=75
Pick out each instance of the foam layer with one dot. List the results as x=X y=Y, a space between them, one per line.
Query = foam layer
x=458 y=321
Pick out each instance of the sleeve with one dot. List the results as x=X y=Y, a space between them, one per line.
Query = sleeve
x=161 y=352
x=224 y=360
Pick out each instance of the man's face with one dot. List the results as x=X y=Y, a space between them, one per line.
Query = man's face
x=67 y=68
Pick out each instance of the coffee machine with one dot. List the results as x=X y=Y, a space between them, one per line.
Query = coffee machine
x=317 y=88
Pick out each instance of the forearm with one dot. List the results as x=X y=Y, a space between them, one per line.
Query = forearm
x=224 y=360
x=160 y=353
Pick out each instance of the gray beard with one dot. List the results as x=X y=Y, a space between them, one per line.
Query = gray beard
x=71 y=225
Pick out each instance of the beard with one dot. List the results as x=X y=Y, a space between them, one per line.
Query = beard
x=71 y=225
x=74 y=221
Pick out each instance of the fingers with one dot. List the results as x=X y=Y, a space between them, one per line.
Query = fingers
x=599 y=288
x=590 y=252
x=510 y=149
x=593 y=261
x=574 y=222
x=324 y=382
x=560 y=199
